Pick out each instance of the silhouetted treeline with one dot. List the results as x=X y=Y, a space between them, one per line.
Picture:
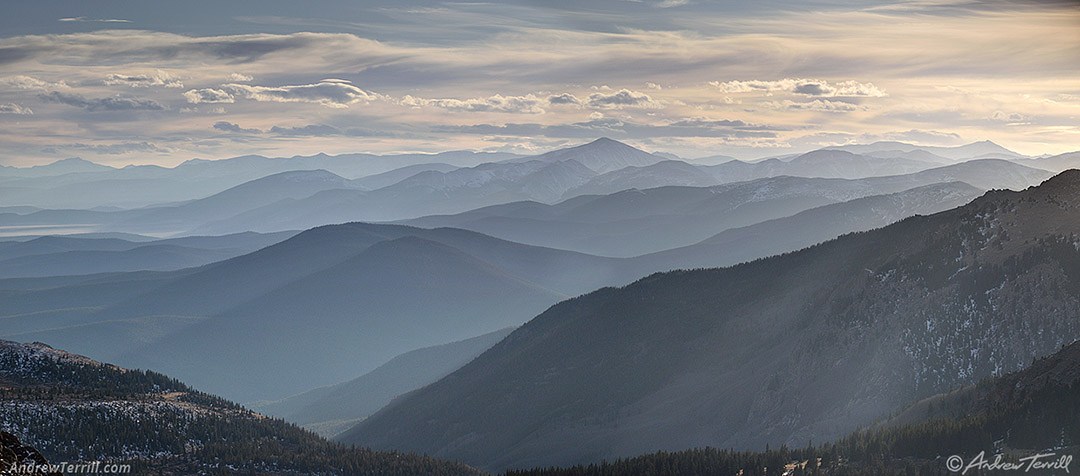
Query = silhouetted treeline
x=1003 y=416
x=78 y=412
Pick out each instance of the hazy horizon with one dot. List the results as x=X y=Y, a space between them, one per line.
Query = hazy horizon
x=159 y=84
x=691 y=159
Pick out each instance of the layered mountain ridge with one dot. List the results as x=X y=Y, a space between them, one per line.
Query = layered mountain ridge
x=75 y=409
x=801 y=346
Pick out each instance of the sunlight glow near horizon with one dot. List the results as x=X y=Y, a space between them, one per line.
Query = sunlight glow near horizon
x=129 y=86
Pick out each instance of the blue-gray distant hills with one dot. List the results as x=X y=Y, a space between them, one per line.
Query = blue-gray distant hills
x=335 y=302
x=975 y=150
x=332 y=409
x=1056 y=163
x=322 y=307
x=634 y=222
x=253 y=193
x=421 y=280
x=810 y=227
x=554 y=178
x=68 y=255
x=76 y=183
x=292 y=293
x=798 y=347
x=329 y=277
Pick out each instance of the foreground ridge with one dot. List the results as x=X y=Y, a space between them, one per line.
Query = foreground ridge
x=78 y=410
x=1026 y=414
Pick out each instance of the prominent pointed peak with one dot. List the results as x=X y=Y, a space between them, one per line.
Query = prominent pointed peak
x=983 y=143
x=987 y=147
x=602 y=155
x=607 y=143
x=72 y=160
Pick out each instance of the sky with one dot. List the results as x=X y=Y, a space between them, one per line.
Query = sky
x=136 y=82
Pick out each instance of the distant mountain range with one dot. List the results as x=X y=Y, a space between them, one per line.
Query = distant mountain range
x=253 y=193
x=601 y=156
x=60 y=255
x=156 y=319
x=802 y=346
x=856 y=280
x=635 y=222
x=975 y=150
x=1057 y=163
x=563 y=175
x=76 y=183
x=817 y=164
x=332 y=409
x=336 y=301
x=810 y=227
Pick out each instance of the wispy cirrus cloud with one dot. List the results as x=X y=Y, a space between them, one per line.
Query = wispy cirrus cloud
x=15 y=109
x=118 y=148
x=334 y=93
x=805 y=87
x=564 y=98
x=437 y=76
x=1007 y=116
x=30 y=83
x=209 y=96
x=309 y=130
x=113 y=103
x=145 y=80
x=92 y=20
x=820 y=105
x=527 y=104
x=321 y=130
x=624 y=129
x=620 y=99
x=226 y=126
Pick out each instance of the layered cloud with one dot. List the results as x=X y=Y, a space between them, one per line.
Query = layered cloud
x=466 y=76
x=621 y=99
x=15 y=109
x=93 y=20
x=625 y=129
x=528 y=104
x=821 y=105
x=157 y=78
x=112 y=103
x=118 y=148
x=603 y=98
x=30 y=83
x=1007 y=116
x=233 y=127
x=805 y=87
x=328 y=92
x=310 y=130
x=209 y=96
